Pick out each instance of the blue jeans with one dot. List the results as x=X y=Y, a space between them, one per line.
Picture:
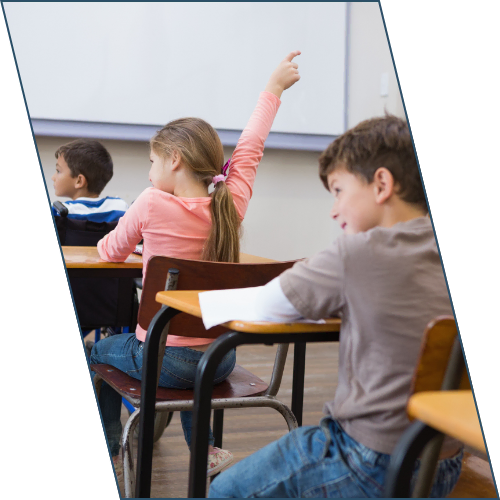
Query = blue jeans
x=320 y=461
x=178 y=371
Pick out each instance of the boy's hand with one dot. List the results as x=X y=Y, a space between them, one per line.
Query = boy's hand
x=284 y=76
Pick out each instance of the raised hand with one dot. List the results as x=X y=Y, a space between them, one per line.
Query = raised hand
x=285 y=75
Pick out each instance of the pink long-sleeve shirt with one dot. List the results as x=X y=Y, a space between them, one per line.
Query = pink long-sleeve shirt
x=178 y=227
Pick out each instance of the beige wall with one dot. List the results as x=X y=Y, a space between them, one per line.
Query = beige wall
x=288 y=217
x=369 y=59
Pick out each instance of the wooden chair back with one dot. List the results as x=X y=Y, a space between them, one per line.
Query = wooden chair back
x=437 y=344
x=200 y=275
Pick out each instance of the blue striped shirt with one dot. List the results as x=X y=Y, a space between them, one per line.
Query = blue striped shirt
x=95 y=209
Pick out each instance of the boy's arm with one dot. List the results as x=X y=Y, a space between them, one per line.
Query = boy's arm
x=250 y=147
x=120 y=243
x=311 y=289
x=315 y=287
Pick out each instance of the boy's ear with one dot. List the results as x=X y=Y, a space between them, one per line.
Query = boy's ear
x=383 y=184
x=80 y=181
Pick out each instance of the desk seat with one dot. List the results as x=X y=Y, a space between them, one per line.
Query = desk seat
x=240 y=384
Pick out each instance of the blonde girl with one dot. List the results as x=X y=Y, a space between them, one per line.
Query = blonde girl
x=178 y=217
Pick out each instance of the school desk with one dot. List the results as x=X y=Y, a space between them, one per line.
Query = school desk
x=242 y=332
x=84 y=262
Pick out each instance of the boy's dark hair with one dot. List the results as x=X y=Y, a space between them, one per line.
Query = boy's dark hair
x=89 y=158
x=378 y=142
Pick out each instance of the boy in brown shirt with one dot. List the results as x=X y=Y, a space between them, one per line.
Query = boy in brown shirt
x=384 y=277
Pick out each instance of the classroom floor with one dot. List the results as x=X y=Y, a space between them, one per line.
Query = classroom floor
x=247 y=430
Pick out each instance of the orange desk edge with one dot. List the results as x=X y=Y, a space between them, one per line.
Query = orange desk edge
x=451 y=412
x=187 y=301
x=88 y=257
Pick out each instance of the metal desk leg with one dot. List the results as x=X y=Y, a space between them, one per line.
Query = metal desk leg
x=204 y=388
x=149 y=385
x=299 y=367
x=218 y=427
x=428 y=462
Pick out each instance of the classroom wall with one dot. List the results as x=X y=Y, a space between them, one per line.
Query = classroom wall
x=288 y=216
x=369 y=62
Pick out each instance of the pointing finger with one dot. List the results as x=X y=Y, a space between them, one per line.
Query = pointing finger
x=293 y=54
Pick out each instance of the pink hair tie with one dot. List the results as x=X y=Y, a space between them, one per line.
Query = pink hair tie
x=218 y=178
x=222 y=176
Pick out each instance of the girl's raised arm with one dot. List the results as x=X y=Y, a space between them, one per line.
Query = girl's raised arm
x=250 y=147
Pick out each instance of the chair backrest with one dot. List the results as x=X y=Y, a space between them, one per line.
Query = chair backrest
x=80 y=232
x=100 y=302
x=437 y=345
x=200 y=275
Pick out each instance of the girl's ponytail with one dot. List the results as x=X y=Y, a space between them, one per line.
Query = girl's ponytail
x=223 y=242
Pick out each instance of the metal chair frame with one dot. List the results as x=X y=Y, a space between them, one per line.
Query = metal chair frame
x=154 y=349
x=268 y=399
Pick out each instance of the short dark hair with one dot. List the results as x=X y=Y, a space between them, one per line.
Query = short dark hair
x=89 y=158
x=372 y=144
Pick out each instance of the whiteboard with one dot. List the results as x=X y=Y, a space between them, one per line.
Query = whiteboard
x=149 y=63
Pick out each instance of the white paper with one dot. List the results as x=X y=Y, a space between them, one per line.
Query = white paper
x=220 y=306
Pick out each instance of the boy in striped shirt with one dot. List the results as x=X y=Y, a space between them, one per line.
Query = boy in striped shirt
x=83 y=169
